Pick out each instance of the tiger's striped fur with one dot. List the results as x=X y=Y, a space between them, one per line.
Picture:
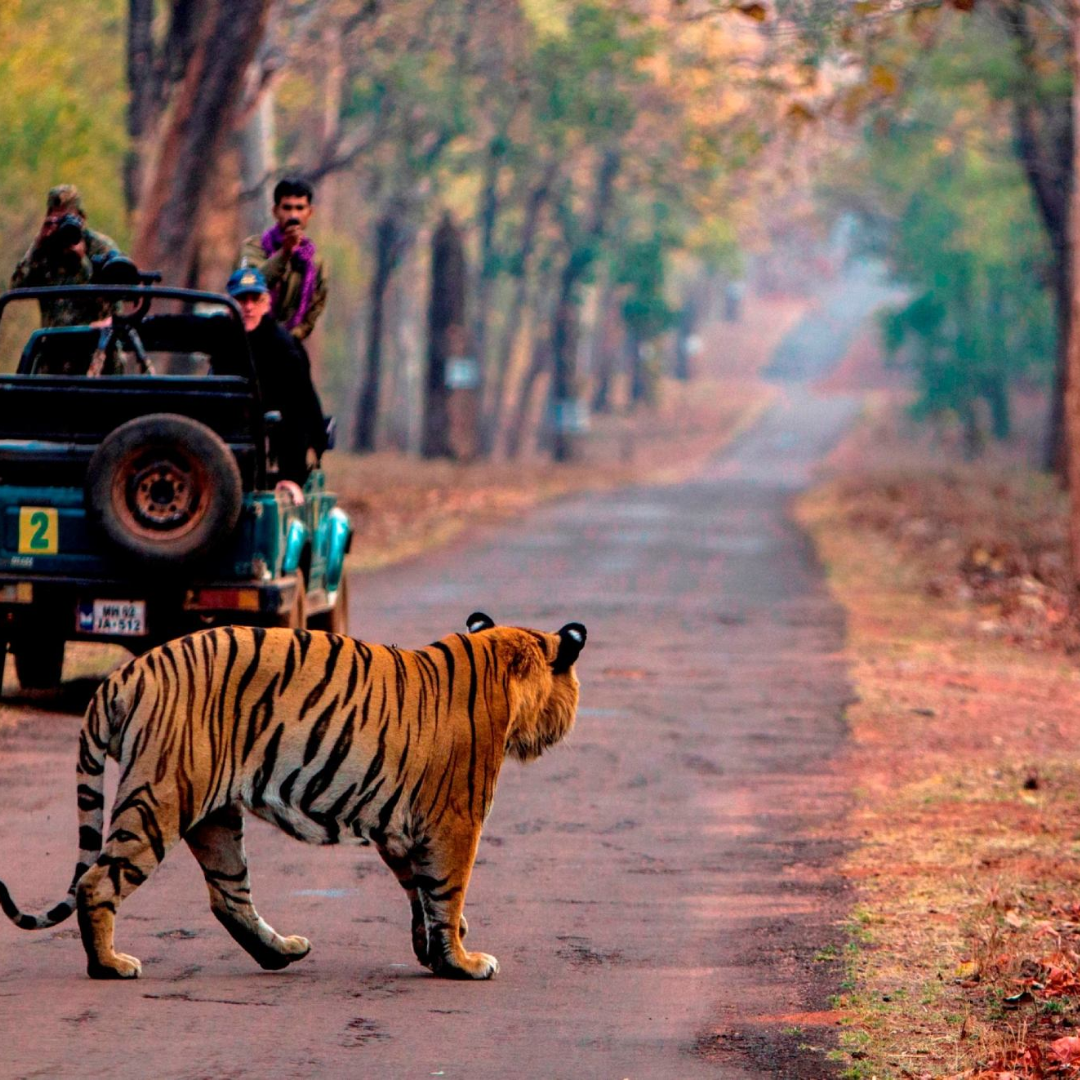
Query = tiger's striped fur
x=329 y=738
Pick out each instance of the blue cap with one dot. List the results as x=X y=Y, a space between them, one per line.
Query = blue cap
x=246 y=280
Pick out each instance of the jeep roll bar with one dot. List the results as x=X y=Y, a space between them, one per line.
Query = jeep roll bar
x=143 y=295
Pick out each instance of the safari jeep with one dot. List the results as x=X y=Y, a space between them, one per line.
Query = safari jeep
x=138 y=499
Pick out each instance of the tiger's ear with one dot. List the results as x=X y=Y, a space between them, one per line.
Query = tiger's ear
x=571 y=641
x=478 y=621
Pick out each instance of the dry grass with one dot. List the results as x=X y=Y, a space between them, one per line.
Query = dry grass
x=964 y=738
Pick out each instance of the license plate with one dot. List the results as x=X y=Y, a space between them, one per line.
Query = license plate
x=122 y=618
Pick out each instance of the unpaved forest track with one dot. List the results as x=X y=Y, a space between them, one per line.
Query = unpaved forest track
x=661 y=890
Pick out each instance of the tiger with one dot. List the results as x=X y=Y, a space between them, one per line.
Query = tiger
x=329 y=738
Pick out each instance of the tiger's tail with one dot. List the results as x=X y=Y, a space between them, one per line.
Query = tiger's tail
x=90 y=773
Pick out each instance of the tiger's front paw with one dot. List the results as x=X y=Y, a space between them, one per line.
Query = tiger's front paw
x=469 y=965
x=121 y=966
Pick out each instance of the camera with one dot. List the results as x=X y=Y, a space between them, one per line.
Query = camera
x=112 y=268
x=67 y=233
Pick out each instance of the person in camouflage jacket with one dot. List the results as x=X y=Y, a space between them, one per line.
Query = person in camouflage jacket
x=287 y=259
x=47 y=264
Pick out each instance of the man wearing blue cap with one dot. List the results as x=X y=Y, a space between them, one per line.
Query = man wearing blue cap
x=284 y=374
x=281 y=367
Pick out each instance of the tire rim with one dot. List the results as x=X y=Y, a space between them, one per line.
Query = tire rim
x=160 y=494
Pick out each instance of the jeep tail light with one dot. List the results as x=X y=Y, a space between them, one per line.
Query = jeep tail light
x=218 y=599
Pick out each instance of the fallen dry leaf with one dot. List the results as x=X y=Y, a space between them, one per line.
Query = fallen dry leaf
x=1066 y=1050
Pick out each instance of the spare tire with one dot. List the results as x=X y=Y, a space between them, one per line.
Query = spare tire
x=164 y=488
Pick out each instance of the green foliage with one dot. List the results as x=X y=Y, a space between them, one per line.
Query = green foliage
x=962 y=231
x=641 y=266
x=61 y=114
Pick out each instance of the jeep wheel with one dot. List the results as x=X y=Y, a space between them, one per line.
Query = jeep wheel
x=336 y=620
x=39 y=664
x=164 y=488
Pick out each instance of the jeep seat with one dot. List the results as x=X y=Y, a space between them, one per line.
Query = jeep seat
x=59 y=350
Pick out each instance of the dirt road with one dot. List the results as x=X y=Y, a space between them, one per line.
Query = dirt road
x=660 y=891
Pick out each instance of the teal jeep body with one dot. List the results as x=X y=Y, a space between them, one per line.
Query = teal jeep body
x=138 y=495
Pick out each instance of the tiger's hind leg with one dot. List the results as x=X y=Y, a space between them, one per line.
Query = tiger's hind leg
x=218 y=843
x=139 y=840
x=402 y=866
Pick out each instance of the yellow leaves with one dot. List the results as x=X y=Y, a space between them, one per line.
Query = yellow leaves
x=800 y=114
x=853 y=102
x=757 y=12
x=883 y=80
x=967 y=969
x=550 y=18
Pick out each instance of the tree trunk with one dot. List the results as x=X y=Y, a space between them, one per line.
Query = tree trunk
x=541 y=357
x=526 y=246
x=690 y=318
x=636 y=361
x=996 y=392
x=258 y=162
x=606 y=348
x=564 y=389
x=1046 y=142
x=192 y=132
x=1072 y=391
x=564 y=386
x=974 y=440
x=1055 y=452
x=485 y=281
x=258 y=157
x=446 y=335
x=142 y=93
x=390 y=243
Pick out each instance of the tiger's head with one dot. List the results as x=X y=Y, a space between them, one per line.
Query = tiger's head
x=542 y=685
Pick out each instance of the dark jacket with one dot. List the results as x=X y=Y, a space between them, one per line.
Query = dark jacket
x=281 y=367
x=284 y=374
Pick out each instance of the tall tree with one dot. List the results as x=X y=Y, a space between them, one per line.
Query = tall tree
x=1072 y=381
x=393 y=235
x=184 y=98
x=446 y=336
x=582 y=253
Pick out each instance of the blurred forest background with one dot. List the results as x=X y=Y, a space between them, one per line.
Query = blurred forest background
x=608 y=173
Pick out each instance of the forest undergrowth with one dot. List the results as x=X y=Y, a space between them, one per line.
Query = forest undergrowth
x=963 y=952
